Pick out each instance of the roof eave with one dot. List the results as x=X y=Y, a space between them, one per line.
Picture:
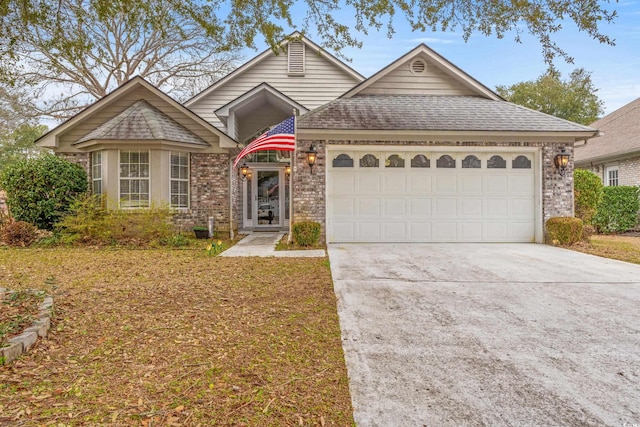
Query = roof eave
x=466 y=135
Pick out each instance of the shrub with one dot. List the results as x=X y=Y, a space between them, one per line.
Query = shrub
x=306 y=233
x=618 y=210
x=19 y=233
x=564 y=230
x=588 y=191
x=40 y=190
x=91 y=222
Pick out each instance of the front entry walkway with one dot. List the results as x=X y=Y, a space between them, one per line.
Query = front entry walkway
x=264 y=245
x=488 y=335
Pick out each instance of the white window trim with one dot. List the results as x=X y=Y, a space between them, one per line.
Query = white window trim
x=187 y=180
x=607 y=179
x=93 y=168
x=148 y=179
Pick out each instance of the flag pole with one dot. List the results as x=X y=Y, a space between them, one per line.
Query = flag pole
x=292 y=162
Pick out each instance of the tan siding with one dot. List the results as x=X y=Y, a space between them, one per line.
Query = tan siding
x=120 y=104
x=322 y=82
x=434 y=81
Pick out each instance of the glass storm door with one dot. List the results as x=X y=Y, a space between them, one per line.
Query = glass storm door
x=267 y=209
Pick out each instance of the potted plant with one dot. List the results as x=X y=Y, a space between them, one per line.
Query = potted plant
x=201 y=232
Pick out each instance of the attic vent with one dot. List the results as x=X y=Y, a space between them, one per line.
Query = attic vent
x=296 y=59
x=418 y=66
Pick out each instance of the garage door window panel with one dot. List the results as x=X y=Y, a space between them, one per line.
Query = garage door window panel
x=496 y=162
x=471 y=162
x=420 y=161
x=369 y=161
x=343 y=161
x=394 y=161
x=521 y=162
x=446 y=162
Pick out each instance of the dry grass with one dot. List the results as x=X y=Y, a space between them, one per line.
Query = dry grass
x=155 y=337
x=624 y=248
x=18 y=310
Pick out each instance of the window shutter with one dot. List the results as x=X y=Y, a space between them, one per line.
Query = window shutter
x=296 y=58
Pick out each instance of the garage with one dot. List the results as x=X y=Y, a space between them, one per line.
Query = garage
x=441 y=194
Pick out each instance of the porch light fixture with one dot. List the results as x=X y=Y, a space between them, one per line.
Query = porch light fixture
x=244 y=170
x=287 y=170
x=312 y=155
x=561 y=161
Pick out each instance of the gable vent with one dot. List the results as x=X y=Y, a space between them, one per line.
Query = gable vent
x=418 y=66
x=296 y=59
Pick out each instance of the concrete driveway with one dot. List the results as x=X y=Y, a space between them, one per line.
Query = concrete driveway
x=488 y=335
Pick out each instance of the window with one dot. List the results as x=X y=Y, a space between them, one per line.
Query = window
x=179 y=180
x=420 y=161
x=496 y=162
x=394 y=161
x=343 y=161
x=134 y=179
x=296 y=58
x=446 y=161
x=521 y=162
x=369 y=161
x=611 y=176
x=96 y=172
x=471 y=162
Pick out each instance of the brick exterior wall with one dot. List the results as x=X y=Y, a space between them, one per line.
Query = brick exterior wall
x=209 y=188
x=309 y=189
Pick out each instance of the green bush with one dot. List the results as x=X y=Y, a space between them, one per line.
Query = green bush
x=40 y=190
x=91 y=222
x=588 y=190
x=564 y=230
x=618 y=210
x=306 y=233
x=19 y=233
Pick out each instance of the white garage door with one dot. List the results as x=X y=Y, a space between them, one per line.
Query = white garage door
x=430 y=196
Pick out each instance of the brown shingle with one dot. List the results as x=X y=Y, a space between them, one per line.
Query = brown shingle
x=620 y=134
x=142 y=121
x=424 y=112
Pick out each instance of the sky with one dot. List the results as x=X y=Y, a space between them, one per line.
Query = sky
x=615 y=70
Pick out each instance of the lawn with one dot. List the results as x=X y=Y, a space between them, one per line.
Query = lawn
x=162 y=337
x=622 y=247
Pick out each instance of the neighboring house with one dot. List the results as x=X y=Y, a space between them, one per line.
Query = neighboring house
x=418 y=152
x=615 y=155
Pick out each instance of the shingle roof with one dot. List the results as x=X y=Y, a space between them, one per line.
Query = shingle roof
x=432 y=112
x=620 y=134
x=142 y=121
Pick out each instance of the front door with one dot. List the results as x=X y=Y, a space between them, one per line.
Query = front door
x=267 y=209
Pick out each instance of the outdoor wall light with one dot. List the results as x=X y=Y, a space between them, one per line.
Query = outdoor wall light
x=244 y=170
x=561 y=161
x=312 y=155
x=287 y=170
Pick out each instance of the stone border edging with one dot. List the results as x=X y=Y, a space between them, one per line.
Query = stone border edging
x=22 y=343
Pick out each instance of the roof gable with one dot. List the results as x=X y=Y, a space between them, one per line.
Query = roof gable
x=142 y=121
x=238 y=72
x=422 y=71
x=619 y=135
x=113 y=104
x=264 y=90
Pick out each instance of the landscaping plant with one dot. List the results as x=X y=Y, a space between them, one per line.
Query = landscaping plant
x=41 y=189
x=564 y=230
x=306 y=233
x=618 y=211
x=588 y=190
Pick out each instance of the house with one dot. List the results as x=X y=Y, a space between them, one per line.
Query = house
x=615 y=155
x=418 y=152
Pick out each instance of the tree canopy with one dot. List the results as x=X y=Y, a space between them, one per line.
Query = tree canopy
x=237 y=23
x=574 y=99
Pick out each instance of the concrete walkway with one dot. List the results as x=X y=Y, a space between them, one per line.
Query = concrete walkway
x=263 y=244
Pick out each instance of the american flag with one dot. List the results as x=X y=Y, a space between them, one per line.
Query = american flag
x=280 y=137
